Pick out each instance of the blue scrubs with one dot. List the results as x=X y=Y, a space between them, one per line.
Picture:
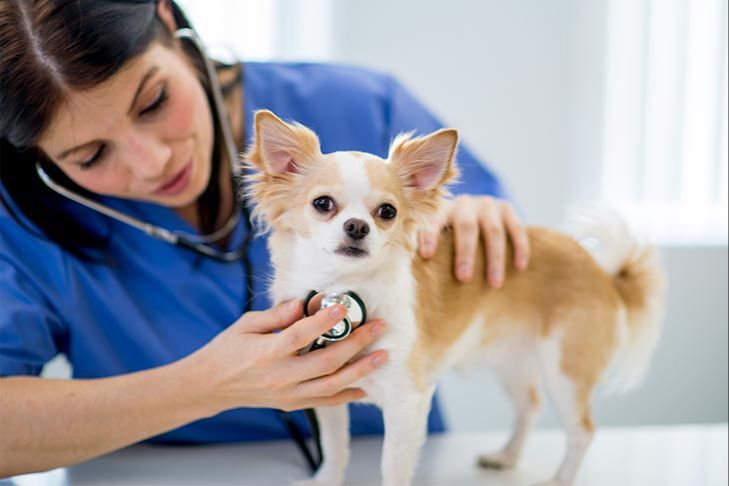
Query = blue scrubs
x=157 y=303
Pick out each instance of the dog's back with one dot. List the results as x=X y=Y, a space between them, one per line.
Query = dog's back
x=576 y=314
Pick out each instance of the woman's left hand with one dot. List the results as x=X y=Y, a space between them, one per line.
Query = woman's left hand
x=474 y=217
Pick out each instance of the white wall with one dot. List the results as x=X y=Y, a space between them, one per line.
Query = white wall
x=518 y=79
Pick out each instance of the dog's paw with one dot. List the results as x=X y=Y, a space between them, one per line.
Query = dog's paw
x=316 y=482
x=497 y=460
x=308 y=482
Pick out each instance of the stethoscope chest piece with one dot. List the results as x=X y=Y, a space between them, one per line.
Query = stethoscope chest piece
x=356 y=313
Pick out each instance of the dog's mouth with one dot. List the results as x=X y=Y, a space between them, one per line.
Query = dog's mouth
x=352 y=251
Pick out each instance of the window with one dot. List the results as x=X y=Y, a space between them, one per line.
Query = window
x=263 y=29
x=664 y=160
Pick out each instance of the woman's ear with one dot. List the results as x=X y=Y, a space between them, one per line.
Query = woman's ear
x=165 y=14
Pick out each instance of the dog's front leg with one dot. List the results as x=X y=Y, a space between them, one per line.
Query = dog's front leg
x=406 y=426
x=334 y=433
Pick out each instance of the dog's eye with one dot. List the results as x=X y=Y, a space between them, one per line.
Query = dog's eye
x=387 y=212
x=323 y=204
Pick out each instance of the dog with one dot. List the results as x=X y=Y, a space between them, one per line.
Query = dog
x=579 y=315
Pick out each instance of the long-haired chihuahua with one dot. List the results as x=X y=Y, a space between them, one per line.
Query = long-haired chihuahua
x=587 y=310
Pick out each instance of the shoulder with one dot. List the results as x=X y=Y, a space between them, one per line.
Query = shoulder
x=347 y=106
x=306 y=88
x=312 y=76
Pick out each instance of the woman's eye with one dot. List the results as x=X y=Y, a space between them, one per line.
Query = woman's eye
x=158 y=102
x=323 y=204
x=89 y=163
x=387 y=212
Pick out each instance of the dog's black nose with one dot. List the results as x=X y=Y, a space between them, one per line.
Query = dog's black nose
x=356 y=228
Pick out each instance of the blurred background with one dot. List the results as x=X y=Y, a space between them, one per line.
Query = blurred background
x=569 y=101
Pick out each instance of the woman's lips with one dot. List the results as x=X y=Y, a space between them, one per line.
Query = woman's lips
x=177 y=183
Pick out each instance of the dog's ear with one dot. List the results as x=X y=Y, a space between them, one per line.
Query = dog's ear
x=427 y=162
x=281 y=147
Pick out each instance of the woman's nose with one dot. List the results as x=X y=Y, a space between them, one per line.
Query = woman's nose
x=148 y=156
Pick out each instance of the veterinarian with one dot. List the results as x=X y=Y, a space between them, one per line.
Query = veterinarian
x=125 y=247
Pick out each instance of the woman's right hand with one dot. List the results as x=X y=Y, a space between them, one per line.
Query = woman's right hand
x=250 y=365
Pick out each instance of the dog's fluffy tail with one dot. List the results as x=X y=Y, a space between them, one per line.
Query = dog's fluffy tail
x=640 y=281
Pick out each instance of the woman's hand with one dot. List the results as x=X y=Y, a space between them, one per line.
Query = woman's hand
x=472 y=217
x=248 y=365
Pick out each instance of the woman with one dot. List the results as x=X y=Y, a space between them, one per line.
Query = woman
x=111 y=101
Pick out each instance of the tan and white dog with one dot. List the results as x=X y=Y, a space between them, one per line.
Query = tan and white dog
x=348 y=221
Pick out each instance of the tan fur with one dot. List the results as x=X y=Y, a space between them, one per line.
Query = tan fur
x=562 y=288
x=639 y=273
x=415 y=205
x=385 y=178
x=408 y=156
x=271 y=188
x=533 y=396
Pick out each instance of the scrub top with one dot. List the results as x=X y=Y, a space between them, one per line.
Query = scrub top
x=156 y=303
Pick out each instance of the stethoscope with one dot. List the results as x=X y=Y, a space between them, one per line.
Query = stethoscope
x=355 y=316
x=198 y=243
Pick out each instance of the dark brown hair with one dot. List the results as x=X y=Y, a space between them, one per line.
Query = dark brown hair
x=46 y=48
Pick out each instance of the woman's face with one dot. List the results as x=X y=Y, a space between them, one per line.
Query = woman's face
x=146 y=133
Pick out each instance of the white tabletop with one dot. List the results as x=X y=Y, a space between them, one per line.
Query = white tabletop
x=644 y=456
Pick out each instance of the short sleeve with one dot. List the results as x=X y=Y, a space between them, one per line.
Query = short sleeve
x=30 y=333
x=406 y=114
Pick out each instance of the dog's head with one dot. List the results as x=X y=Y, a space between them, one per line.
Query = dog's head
x=347 y=206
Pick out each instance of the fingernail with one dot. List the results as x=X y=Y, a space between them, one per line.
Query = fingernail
x=379 y=360
x=377 y=328
x=495 y=278
x=464 y=271
x=337 y=311
x=426 y=246
x=521 y=263
x=429 y=246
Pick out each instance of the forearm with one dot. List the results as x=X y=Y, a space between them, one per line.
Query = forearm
x=49 y=423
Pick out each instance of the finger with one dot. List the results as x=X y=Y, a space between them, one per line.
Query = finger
x=278 y=317
x=428 y=237
x=345 y=377
x=465 y=232
x=328 y=360
x=345 y=396
x=492 y=227
x=315 y=304
x=427 y=242
x=519 y=238
x=305 y=331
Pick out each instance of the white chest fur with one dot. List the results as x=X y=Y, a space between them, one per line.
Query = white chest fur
x=388 y=291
